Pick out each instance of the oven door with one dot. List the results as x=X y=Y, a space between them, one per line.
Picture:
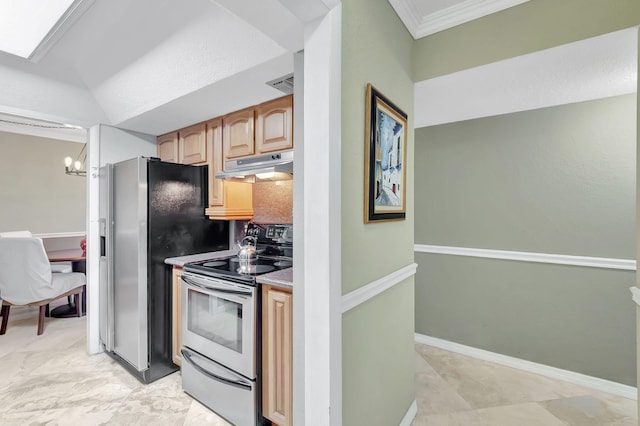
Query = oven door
x=218 y=321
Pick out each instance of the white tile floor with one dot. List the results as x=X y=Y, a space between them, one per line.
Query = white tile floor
x=453 y=389
x=50 y=380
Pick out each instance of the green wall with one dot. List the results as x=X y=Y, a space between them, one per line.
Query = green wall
x=552 y=180
x=574 y=318
x=378 y=355
x=35 y=194
x=637 y=233
x=556 y=180
x=529 y=27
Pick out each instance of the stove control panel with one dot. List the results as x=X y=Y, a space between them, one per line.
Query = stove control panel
x=279 y=234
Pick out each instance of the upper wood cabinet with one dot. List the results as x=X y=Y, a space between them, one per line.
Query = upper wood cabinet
x=227 y=200
x=186 y=146
x=192 y=144
x=167 y=146
x=274 y=125
x=203 y=144
x=214 y=147
x=238 y=134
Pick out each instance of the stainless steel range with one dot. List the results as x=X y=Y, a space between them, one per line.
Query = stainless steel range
x=221 y=324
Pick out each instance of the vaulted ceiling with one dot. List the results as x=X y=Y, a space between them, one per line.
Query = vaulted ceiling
x=157 y=65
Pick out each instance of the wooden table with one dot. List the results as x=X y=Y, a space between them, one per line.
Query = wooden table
x=78 y=260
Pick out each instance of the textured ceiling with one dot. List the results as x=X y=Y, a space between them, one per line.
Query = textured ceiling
x=157 y=65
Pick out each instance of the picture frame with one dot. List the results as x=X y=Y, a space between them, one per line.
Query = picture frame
x=385 y=173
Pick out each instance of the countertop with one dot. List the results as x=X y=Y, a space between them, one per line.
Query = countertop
x=282 y=278
x=180 y=261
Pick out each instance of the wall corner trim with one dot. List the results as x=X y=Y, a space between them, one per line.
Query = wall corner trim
x=560 y=259
x=591 y=382
x=364 y=293
x=635 y=294
x=410 y=414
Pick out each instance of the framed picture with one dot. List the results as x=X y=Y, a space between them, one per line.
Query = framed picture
x=385 y=174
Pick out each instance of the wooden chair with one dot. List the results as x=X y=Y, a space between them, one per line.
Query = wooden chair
x=26 y=279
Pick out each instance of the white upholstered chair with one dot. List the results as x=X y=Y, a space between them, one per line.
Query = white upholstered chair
x=55 y=266
x=26 y=278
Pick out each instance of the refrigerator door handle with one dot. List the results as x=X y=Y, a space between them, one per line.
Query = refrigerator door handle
x=187 y=356
x=216 y=288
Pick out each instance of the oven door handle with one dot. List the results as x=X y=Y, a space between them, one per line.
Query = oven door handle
x=214 y=288
x=238 y=383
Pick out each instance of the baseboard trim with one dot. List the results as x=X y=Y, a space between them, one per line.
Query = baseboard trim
x=364 y=293
x=591 y=382
x=560 y=259
x=410 y=414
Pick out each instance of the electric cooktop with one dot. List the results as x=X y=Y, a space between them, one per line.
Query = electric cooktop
x=274 y=250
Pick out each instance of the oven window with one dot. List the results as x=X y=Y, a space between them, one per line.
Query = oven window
x=215 y=319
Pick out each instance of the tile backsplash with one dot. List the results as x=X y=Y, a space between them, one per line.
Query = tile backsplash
x=273 y=202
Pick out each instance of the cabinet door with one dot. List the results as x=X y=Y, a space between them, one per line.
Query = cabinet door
x=238 y=134
x=277 y=355
x=216 y=161
x=274 y=125
x=176 y=291
x=192 y=146
x=168 y=147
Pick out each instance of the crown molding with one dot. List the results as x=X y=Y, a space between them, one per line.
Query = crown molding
x=420 y=25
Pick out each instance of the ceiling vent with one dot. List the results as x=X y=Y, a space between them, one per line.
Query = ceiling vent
x=283 y=84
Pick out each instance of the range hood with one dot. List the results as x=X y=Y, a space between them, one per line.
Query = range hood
x=268 y=167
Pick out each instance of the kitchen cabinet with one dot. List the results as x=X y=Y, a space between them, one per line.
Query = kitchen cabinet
x=167 y=146
x=277 y=348
x=176 y=293
x=202 y=144
x=185 y=146
x=227 y=200
x=192 y=144
x=214 y=145
x=265 y=128
x=238 y=134
x=274 y=125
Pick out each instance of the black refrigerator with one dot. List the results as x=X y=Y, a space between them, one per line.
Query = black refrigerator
x=149 y=210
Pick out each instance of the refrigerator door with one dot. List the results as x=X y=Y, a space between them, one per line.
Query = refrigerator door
x=129 y=248
x=106 y=254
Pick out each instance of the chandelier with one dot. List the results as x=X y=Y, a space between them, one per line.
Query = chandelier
x=77 y=167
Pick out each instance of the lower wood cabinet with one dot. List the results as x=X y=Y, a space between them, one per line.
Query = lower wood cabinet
x=277 y=348
x=176 y=292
